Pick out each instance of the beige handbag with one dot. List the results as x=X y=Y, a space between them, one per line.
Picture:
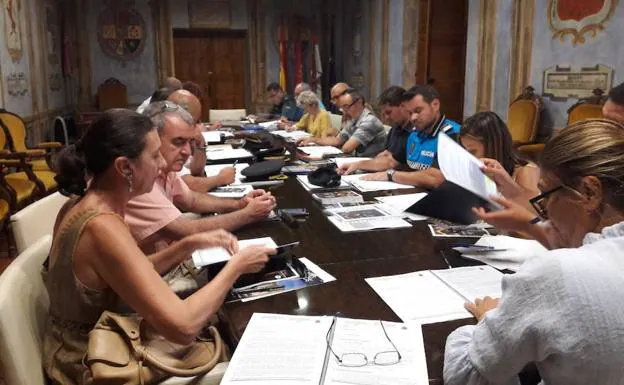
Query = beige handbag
x=124 y=350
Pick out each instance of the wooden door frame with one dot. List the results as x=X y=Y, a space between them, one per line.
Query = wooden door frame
x=211 y=32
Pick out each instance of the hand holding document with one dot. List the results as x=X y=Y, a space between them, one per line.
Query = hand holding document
x=506 y=253
x=294 y=350
x=432 y=296
x=214 y=255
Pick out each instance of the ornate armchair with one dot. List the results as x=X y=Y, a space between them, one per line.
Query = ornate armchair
x=523 y=121
x=112 y=94
x=587 y=108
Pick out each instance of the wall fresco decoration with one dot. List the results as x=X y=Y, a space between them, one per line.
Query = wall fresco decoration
x=17 y=84
x=579 y=18
x=52 y=34
x=13 y=28
x=121 y=31
x=55 y=81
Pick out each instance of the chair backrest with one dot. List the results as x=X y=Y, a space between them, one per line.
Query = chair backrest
x=24 y=302
x=221 y=115
x=522 y=120
x=584 y=111
x=16 y=130
x=36 y=220
x=112 y=94
x=336 y=121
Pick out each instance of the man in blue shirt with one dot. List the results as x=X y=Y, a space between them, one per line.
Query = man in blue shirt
x=423 y=105
x=284 y=106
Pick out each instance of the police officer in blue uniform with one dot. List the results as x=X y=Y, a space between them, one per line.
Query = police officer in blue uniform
x=423 y=104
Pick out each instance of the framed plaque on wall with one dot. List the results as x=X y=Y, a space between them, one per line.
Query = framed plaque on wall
x=210 y=13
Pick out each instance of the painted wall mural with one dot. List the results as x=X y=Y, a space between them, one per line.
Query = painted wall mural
x=579 y=18
x=121 y=33
x=12 y=33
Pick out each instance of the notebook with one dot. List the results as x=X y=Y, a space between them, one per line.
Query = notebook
x=294 y=350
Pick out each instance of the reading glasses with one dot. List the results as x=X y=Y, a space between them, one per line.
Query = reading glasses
x=353 y=359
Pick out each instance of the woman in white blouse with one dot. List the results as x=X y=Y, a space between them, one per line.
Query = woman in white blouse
x=563 y=310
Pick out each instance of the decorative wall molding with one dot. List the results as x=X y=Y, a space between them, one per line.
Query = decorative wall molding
x=210 y=13
x=522 y=46
x=256 y=36
x=410 y=40
x=486 y=53
x=372 y=38
x=85 y=96
x=163 y=39
x=385 y=37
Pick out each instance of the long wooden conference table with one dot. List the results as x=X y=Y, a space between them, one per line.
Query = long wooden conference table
x=350 y=258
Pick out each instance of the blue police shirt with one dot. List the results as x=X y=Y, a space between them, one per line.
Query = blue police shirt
x=422 y=148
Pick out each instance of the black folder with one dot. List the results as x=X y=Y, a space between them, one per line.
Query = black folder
x=450 y=202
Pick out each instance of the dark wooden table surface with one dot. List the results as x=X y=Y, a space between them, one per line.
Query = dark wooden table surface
x=350 y=257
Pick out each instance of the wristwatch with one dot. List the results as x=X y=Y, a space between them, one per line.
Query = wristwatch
x=390 y=173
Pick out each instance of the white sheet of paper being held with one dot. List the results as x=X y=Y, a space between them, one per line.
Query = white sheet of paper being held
x=462 y=168
x=280 y=349
x=367 y=337
x=212 y=255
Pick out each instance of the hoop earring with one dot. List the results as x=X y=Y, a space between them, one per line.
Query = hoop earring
x=129 y=179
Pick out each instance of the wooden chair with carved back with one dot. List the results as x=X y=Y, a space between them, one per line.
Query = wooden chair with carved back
x=523 y=120
x=587 y=108
x=112 y=94
x=13 y=165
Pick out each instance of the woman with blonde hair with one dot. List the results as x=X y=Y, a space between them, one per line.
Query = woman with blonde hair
x=563 y=309
x=315 y=120
x=95 y=264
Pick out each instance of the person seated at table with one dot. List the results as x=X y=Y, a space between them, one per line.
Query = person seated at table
x=155 y=218
x=394 y=113
x=95 y=264
x=363 y=135
x=299 y=88
x=315 y=121
x=171 y=83
x=563 y=309
x=197 y=180
x=487 y=137
x=614 y=107
x=423 y=105
x=284 y=106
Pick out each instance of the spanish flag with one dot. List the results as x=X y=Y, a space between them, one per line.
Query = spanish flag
x=283 y=39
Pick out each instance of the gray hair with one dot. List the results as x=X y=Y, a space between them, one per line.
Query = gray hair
x=157 y=113
x=307 y=98
x=304 y=87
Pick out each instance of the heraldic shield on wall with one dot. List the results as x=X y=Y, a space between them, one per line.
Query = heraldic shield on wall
x=579 y=18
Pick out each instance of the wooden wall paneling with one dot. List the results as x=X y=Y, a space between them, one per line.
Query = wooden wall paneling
x=522 y=46
x=486 y=55
x=257 y=54
x=422 y=59
x=410 y=41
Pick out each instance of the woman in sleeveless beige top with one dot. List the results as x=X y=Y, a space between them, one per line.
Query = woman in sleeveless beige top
x=95 y=264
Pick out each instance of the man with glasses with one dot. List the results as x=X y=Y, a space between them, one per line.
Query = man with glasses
x=394 y=113
x=155 y=218
x=197 y=181
x=362 y=135
x=423 y=105
x=284 y=106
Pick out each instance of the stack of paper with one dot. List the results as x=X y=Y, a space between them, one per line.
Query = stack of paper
x=294 y=135
x=432 y=296
x=365 y=185
x=341 y=161
x=232 y=191
x=513 y=252
x=293 y=350
x=214 y=169
x=363 y=218
x=317 y=152
x=205 y=257
x=221 y=154
x=397 y=204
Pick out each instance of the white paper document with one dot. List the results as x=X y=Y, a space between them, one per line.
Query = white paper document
x=462 y=168
x=295 y=135
x=234 y=191
x=364 y=218
x=432 y=296
x=513 y=251
x=319 y=151
x=367 y=185
x=293 y=350
x=341 y=161
x=397 y=204
x=205 y=257
x=235 y=153
x=303 y=179
x=214 y=169
x=212 y=136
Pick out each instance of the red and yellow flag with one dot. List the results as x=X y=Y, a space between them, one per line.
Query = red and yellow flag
x=283 y=39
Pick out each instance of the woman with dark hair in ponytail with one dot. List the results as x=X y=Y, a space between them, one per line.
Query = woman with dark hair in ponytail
x=487 y=137
x=95 y=264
